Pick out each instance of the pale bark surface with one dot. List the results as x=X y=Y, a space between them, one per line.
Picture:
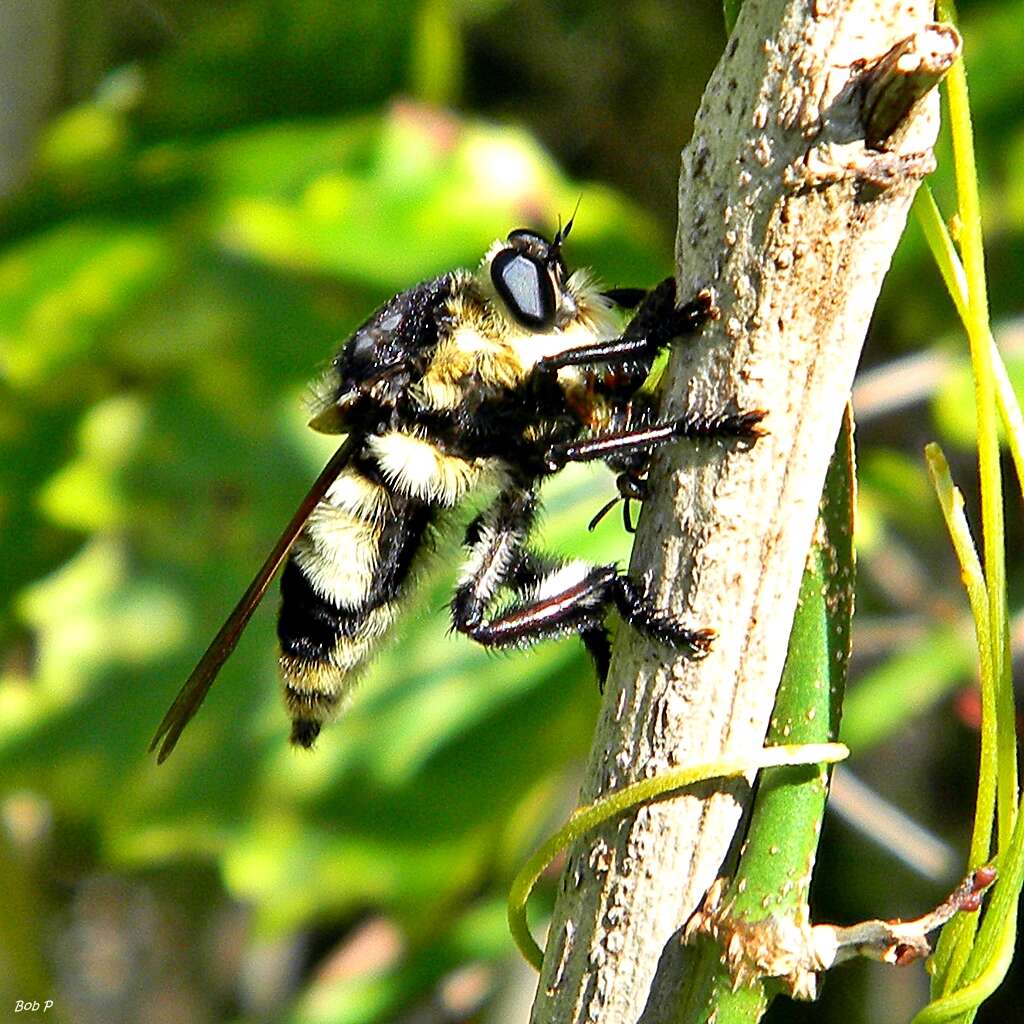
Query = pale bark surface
x=790 y=219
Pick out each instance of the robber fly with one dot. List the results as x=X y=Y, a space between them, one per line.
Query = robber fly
x=501 y=375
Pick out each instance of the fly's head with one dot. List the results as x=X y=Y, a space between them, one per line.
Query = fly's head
x=529 y=277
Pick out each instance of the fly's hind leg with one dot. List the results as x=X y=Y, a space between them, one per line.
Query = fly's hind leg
x=551 y=599
x=637 y=608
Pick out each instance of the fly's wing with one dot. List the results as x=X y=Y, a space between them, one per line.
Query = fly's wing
x=193 y=693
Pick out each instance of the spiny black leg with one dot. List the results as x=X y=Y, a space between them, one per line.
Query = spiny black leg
x=579 y=607
x=598 y=644
x=528 y=579
x=495 y=540
x=661 y=320
x=615 y=350
x=638 y=610
x=554 y=599
x=575 y=599
x=656 y=324
x=738 y=425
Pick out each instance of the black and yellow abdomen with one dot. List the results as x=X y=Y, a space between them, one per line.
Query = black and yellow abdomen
x=341 y=589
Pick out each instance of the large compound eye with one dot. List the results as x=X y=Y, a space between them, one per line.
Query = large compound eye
x=524 y=284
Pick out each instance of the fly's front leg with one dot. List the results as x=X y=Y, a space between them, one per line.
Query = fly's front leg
x=627 y=452
x=657 y=322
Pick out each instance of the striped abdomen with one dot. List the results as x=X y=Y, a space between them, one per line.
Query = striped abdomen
x=340 y=592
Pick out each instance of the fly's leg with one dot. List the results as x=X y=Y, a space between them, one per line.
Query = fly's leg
x=551 y=599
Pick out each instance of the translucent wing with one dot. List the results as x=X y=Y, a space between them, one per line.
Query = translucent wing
x=193 y=693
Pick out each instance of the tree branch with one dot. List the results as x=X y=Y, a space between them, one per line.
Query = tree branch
x=792 y=219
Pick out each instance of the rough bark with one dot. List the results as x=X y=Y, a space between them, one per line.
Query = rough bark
x=786 y=213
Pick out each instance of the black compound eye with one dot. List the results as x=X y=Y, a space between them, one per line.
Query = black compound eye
x=525 y=286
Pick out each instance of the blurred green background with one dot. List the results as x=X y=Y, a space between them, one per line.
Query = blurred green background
x=198 y=201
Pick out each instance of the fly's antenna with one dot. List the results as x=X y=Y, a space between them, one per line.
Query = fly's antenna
x=563 y=233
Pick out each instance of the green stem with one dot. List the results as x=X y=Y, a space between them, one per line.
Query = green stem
x=967 y=953
x=979 y=334
x=952 y=504
x=965 y=1000
x=945 y=255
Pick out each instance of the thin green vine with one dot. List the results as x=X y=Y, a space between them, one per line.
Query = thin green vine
x=630 y=797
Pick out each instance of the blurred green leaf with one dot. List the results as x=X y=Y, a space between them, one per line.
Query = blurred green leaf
x=953 y=404
x=891 y=696
x=478 y=936
x=386 y=203
x=84 y=135
x=896 y=487
x=61 y=292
